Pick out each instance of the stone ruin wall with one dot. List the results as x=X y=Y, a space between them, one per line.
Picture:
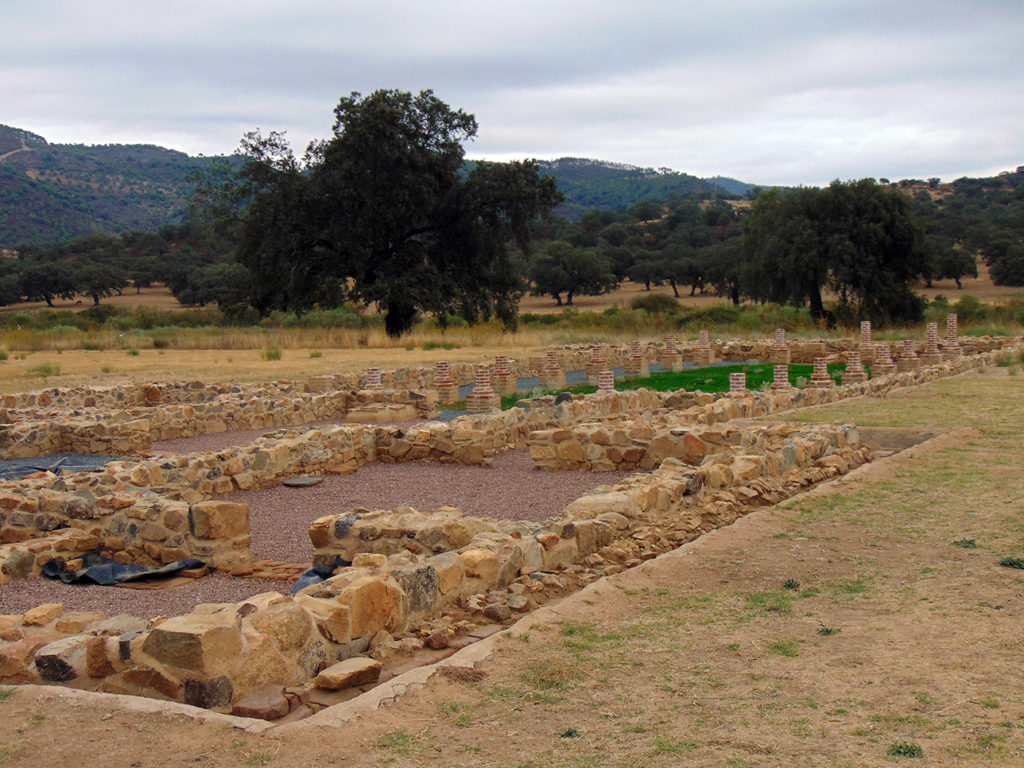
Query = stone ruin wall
x=407 y=567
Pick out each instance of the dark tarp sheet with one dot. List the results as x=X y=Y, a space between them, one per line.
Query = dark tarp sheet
x=106 y=572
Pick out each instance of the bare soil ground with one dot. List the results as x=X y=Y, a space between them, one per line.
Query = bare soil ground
x=862 y=622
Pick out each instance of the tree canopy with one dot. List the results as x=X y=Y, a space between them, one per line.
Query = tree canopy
x=857 y=239
x=382 y=213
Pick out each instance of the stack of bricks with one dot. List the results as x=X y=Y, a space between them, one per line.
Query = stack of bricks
x=883 y=365
x=779 y=352
x=781 y=377
x=703 y=355
x=908 y=359
x=854 y=373
x=951 y=348
x=820 y=378
x=636 y=363
x=483 y=398
x=504 y=382
x=931 y=354
x=373 y=379
x=605 y=381
x=551 y=375
x=671 y=357
x=866 y=348
x=447 y=390
x=597 y=363
x=738 y=384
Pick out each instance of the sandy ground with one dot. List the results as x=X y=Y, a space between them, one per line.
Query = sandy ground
x=900 y=635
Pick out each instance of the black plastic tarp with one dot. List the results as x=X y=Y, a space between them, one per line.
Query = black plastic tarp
x=106 y=572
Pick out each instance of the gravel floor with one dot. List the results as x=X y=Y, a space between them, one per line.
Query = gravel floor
x=510 y=490
x=19 y=596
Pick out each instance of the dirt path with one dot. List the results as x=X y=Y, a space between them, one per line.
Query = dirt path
x=24 y=148
x=900 y=633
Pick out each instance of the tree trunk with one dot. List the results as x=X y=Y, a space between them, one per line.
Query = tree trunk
x=734 y=294
x=817 y=307
x=675 y=288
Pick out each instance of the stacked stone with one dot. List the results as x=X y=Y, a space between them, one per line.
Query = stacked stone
x=373 y=379
x=883 y=362
x=636 y=363
x=820 y=378
x=738 y=384
x=606 y=381
x=535 y=364
x=908 y=360
x=483 y=398
x=931 y=354
x=504 y=381
x=866 y=348
x=671 y=357
x=854 y=373
x=703 y=354
x=781 y=377
x=597 y=363
x=951 y=348
x=779 y=352
x=447 y=390
x=551 y=375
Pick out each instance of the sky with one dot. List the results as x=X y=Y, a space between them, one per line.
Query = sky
x=766 y=91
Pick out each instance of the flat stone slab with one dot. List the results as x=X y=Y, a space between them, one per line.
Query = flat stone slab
x=302 y=482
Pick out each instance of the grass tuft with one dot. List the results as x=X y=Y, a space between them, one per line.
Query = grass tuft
x=905 y=749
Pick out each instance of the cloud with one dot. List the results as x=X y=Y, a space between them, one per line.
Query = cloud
x=796 y=91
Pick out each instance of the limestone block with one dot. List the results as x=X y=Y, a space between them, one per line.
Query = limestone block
x=42 y=615
x=564 y=553
x=481 y=564
x=265 y=703
x=199 y=642
x=450 y=570
x=375 y=604
x=420 y=583
x=349 y=673
x=75 y=622
x=218 y=519
x=63 y=660
x=332 y=619
x=286 y=623
x=210 y=692
x=596 y=504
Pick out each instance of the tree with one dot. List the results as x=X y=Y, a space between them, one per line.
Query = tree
x=562 y=268
x=382 y=213
x=97 y=280
x=857 y=239
x=42 y=281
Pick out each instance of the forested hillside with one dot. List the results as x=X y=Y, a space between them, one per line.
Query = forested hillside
x=54 y=192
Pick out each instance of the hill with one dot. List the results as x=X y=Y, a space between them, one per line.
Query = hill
x=588 y=184
x=54 y=192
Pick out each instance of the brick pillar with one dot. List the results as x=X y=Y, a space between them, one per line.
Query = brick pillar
x=373 y=379
x=854 y=373
x=908 y=359
x=483 y=398
x=597 y=363
x=606 y=381
x=781 y=377
x=883 y=365
x=931 y=354
x=551 y=375
x=504 y=381
x=820 y=378
x=737 y=384
x=866 y=348
x=951 y=347
x=671 y=358
x=636 y=363
x=779 y=352
x=447 y=390
x=703 y=355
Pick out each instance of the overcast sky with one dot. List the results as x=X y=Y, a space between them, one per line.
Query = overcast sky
x=766 y=91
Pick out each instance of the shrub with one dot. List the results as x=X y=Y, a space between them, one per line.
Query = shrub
x=271 y=353
x=655 y=303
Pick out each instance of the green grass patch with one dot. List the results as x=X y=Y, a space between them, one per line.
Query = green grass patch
x=770 y=602
x=787 y=648
x=966 y=543
x=905 y=749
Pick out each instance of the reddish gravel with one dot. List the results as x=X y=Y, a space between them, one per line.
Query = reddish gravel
x=511 y=490
x=19 y=596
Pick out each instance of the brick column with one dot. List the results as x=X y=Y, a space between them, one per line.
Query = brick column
x=883 y=364
x=781 y=377
x=551 y=375
x=671 y=358
x=908 y=359
x=703 y=355
x=951 y=347
x=447 y=390
x=854 y=373
x=606 y=381
x=738 y=384
x=636 y=363
x=373 y=379
x=504 y=381
x=779 y=352
x=820 y=378
x=931 y=354
x=866 y=348
x=597 y=363
x=483 y=398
